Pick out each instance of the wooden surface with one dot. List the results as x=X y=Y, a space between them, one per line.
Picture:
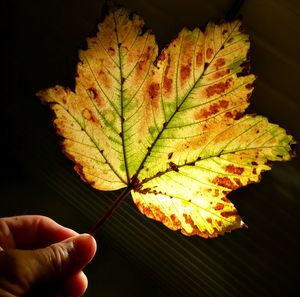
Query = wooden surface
x=137 y=256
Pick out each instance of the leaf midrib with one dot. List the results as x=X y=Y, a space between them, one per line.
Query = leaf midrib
x=192 y=163
x=122 y=102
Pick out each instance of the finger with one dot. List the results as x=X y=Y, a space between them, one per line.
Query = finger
x=22 y=269
x=76 y=285
x=72 y=287
x=63 y=259
x=31 y=231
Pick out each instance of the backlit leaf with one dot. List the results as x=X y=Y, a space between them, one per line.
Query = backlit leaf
x=170 y=128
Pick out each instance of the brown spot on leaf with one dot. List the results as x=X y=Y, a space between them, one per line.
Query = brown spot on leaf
x=199 y=58
x=103 y=78
x=145 y=57
x=221 y=73
x=209 y=220
x=146 y=210
x=79 y=169
x=186 y=52
x=227 y=214
x=61 y=92
x=209 y=53
x=235 y=114
x=249 y=86
x=94 y=92
x=159 y=215
x=234 y=169
x=188 y=219
x=173 y=166
x=213 y=109
x=170 y=156
x=238 y=182
x=225 y=199
x=162 y=56
x=219 y=206
x=96 y=96
x=254 y=171
x=254 y=163
x=111 y=51
x=241 y=28
x=195 y=230
x=224 y=182
x=185 y=72
x=88 y=115
x=224 y=32
x=159 y=173
x=175 y=221
x=141 y=65
x=153 y=90
x=220 y=62
x=228 y=114
x=145 y=190
x=223 y=103
x=238 y=115
x=218 y=88
x=167 y=84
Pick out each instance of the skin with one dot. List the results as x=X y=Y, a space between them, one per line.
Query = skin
x=39 y=257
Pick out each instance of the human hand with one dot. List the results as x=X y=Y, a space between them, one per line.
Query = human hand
x=35 y=250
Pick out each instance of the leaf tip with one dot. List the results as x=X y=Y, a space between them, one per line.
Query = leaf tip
x=243 y=225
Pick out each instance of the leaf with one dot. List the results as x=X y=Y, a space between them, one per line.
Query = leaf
x=170 y=128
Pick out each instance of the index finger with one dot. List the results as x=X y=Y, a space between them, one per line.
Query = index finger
x=31 y=231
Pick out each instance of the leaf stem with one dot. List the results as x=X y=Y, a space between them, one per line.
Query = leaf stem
x=108 y=213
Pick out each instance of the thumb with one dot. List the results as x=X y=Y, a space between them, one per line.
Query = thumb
x=63 y=259
x=59 y=261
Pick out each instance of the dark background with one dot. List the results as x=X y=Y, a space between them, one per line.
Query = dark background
x=137 y=256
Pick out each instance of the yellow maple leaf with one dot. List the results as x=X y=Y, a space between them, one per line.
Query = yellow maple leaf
x=170 y=129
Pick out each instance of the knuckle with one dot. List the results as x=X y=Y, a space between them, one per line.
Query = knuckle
x=58 y=256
